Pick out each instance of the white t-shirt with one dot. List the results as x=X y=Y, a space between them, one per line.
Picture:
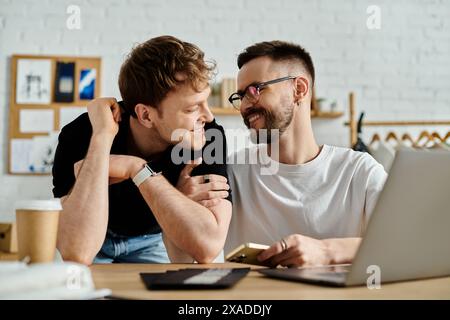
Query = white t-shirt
x=331 y=196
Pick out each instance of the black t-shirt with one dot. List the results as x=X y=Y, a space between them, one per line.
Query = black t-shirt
x=129 y=214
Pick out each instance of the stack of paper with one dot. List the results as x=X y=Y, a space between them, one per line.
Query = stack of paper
x=47 y=281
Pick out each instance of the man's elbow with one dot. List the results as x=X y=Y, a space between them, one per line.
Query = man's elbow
x=76 y=256
x=207 y=254
x=203 y=258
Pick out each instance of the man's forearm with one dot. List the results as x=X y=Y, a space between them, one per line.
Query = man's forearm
x=83 y=224
x=342 y=250
x=191 y=227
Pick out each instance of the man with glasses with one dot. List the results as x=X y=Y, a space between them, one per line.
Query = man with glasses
x=314 y=209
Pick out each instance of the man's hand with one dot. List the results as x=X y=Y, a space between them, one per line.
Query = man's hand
x=121 y=167
x=207 y=194
x=104 y=114
x=297 y=251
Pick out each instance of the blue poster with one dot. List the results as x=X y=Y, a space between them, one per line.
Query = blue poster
x=86 y=87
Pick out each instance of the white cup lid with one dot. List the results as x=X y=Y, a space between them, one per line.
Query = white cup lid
x=39 y=205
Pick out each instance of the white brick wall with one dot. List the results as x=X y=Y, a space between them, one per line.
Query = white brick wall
x=400 y=71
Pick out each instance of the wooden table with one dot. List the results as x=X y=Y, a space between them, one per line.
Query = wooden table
x=6 y=256
x=125 y=282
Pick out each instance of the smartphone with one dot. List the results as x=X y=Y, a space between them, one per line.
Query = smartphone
x=246 y=253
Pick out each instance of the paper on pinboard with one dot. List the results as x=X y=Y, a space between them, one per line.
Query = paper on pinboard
x=33 y=155
x=43 y=153
x=68 y=114
x=36 y=120
x=20 y=155
x=33 y=81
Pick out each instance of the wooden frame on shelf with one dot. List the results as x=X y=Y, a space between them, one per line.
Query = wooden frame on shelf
x=327 y=115
x=316 y=113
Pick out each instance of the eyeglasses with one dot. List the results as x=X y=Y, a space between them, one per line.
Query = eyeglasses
x=253 y=92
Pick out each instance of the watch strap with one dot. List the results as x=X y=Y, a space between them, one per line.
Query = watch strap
x=145 y=173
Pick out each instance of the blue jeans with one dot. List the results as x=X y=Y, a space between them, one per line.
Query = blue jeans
x=148 y=248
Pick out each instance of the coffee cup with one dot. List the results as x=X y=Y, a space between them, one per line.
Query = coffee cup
x=37 y=229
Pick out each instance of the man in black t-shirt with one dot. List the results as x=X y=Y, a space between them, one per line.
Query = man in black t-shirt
x=126 y=171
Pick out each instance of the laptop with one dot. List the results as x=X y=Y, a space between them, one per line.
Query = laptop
x=408 y=235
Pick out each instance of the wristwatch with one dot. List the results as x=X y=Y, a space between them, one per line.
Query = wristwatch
x=143 y=174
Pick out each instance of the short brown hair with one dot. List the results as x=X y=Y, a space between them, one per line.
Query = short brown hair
x=278 y=51
x=151 y=69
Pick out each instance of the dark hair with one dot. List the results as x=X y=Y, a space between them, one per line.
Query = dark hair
x=278 y=51
x=152 y=69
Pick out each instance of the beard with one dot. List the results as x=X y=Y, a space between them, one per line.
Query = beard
x=274 y=122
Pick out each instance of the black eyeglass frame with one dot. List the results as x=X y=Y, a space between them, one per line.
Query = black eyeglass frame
x=240 y=95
